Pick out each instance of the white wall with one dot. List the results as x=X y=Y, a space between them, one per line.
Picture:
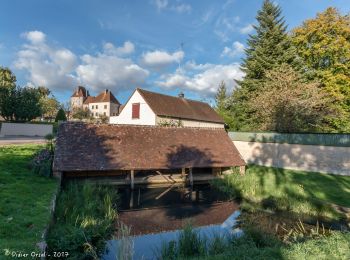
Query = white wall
x=188 y=123
x=147 y=116
x=317 y=158
x=11 y=129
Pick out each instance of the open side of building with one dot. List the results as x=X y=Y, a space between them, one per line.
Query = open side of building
x=145 y=155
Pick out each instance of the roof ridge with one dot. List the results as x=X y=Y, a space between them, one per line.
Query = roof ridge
x=188 y=99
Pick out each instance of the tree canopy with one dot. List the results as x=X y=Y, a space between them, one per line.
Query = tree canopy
x=324 y=45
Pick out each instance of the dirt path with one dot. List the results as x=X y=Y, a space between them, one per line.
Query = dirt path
x=21 y=140
x=155 y=220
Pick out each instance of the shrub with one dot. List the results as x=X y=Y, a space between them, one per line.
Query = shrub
x=61 y=115
x=42 y=162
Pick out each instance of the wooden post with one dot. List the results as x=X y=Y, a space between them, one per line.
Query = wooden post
x=132 y=179
x=191 y=178
x=183 y=173
x=242 y=170
x=131 y=202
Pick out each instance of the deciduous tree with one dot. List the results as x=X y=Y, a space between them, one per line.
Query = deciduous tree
x=324 y=44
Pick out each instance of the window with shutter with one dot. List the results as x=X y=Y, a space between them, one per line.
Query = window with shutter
x=135 y=111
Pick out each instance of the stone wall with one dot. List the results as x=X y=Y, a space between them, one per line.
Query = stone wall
x=317 y=158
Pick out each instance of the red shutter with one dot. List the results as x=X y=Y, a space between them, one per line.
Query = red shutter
x=135 y=110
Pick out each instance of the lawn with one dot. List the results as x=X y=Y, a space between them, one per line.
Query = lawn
x=297 y=192
x=25 y=200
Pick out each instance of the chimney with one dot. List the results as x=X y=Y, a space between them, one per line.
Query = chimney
x=106 y=91
x=181 y=95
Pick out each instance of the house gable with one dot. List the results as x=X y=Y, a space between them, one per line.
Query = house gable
x=146 y=114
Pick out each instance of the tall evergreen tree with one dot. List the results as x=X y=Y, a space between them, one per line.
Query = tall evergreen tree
x=267 y=49
x=220 y=96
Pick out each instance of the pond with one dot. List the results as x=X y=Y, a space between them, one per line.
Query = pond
x=157 y=215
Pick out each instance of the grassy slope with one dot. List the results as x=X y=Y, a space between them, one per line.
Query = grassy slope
x=295 y=191
x=24 y=199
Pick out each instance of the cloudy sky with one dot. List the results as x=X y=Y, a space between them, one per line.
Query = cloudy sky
x=162 y=45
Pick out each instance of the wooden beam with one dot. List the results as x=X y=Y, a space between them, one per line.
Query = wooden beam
x=164 y=192
x=183 y=173
x=166 y=178
x=191 y=177
x=132 y=184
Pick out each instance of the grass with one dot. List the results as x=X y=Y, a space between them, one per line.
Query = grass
x=84 y=219
x=25 y=200
x=281 y=210
x=302 y=193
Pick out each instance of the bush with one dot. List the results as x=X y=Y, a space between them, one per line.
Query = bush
x=61 y=115
x=84 y=220
x=42 y=162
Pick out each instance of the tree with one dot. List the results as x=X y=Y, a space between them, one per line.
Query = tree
x=288 y=103
x=267 y=49
x=28 y=104
x=324 y=45
x=220 y=96
x=7 y=85
x=81 y=113
x=61 y=115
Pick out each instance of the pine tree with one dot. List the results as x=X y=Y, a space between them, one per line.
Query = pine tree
x=61 y=115
x=220 y=96
x=267 y=49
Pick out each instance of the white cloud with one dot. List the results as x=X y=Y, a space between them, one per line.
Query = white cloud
x=236 y=50
x=206 y=81
x=35 y=37
x=58 y=68
x=177 y=7
x=182 y=8
x=160 y=4
x=126 y=49
x=247 y=29
x=161 y=59
x=46 y=65
x=110 y=71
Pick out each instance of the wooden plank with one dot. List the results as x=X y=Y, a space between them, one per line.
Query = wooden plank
x=165 y=177
x=165 y=192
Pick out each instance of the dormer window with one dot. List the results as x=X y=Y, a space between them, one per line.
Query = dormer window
x=135 y=111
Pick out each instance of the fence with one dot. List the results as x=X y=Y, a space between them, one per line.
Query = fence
x=25 y=129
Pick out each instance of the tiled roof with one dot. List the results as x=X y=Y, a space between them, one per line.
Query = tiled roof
x=90 y=147
x=105 y=96
x=80 y=92
x=169 y=106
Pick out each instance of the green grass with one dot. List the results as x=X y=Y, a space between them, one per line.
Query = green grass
x=286 y=190
x=25 y=200
x=84 y=219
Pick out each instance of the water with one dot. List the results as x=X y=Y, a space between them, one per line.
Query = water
x=158 y=215
x=148 y=246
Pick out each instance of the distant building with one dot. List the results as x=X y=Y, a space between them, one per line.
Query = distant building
x=104 y=104
x=150 y=108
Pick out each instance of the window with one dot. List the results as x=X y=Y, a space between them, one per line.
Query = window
x=104 y=113
x=92 y=107
x=105 y=106
x=96 y=114
x=136 y=111
x=96 y=106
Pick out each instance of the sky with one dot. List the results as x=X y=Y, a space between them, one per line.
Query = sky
x=166 y=46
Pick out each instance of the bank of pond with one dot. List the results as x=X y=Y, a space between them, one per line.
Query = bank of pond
x=207 y=221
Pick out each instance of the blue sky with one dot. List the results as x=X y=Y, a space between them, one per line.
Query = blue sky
x=162 y=45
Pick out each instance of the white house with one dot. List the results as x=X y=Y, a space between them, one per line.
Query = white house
x=104 y=104
x=150 y=108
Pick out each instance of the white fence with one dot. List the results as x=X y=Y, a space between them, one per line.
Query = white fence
x=317 y=158
x=24 y=129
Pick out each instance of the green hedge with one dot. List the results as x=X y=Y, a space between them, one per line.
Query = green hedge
x=290 y=138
